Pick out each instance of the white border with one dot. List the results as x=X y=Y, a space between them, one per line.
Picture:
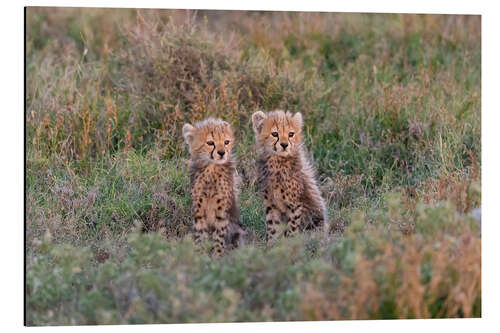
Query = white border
x=421 y=6
x=12 y=164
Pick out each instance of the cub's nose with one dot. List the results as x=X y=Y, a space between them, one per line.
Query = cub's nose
x=221 y=152
x=284 y=145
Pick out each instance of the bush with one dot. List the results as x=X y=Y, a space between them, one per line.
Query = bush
x=368 y=273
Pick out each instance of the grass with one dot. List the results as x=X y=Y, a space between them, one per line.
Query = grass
x=392 y=109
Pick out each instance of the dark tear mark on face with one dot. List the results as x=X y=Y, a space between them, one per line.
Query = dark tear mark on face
x=213 y=146
x=278 y=137
x=212 y=152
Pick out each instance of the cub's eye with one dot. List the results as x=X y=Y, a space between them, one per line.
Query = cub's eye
x=210 y=143
x=290 y=134
x=226 y=142
x=275 y=134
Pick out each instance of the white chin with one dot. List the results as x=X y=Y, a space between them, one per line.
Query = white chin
x=281 y=153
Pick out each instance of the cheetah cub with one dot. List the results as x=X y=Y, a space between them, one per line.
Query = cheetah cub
x=286 y=176
x=213 y=188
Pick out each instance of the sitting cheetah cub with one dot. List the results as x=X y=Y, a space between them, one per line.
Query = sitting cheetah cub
x=286 y=176
x=213 y=188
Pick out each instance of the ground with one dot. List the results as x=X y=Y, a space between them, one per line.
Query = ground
x=392 y=112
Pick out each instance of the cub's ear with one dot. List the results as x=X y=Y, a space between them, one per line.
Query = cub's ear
x=298 y=118
x=187 y=133
x=257 y=120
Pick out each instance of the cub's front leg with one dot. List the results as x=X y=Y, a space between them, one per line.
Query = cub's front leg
x=200 y=222
x=294 y=219
x=221 y=226
x=273 y=218
x=219 y=236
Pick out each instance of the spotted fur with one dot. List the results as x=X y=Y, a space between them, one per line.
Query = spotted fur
x=286 y=177
x=213 y=187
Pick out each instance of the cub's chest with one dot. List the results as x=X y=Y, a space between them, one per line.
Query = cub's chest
x=212 y=180
x=282 y=176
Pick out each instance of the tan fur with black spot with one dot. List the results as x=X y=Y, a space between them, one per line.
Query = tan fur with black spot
x=286 y=176
x=213 y=187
